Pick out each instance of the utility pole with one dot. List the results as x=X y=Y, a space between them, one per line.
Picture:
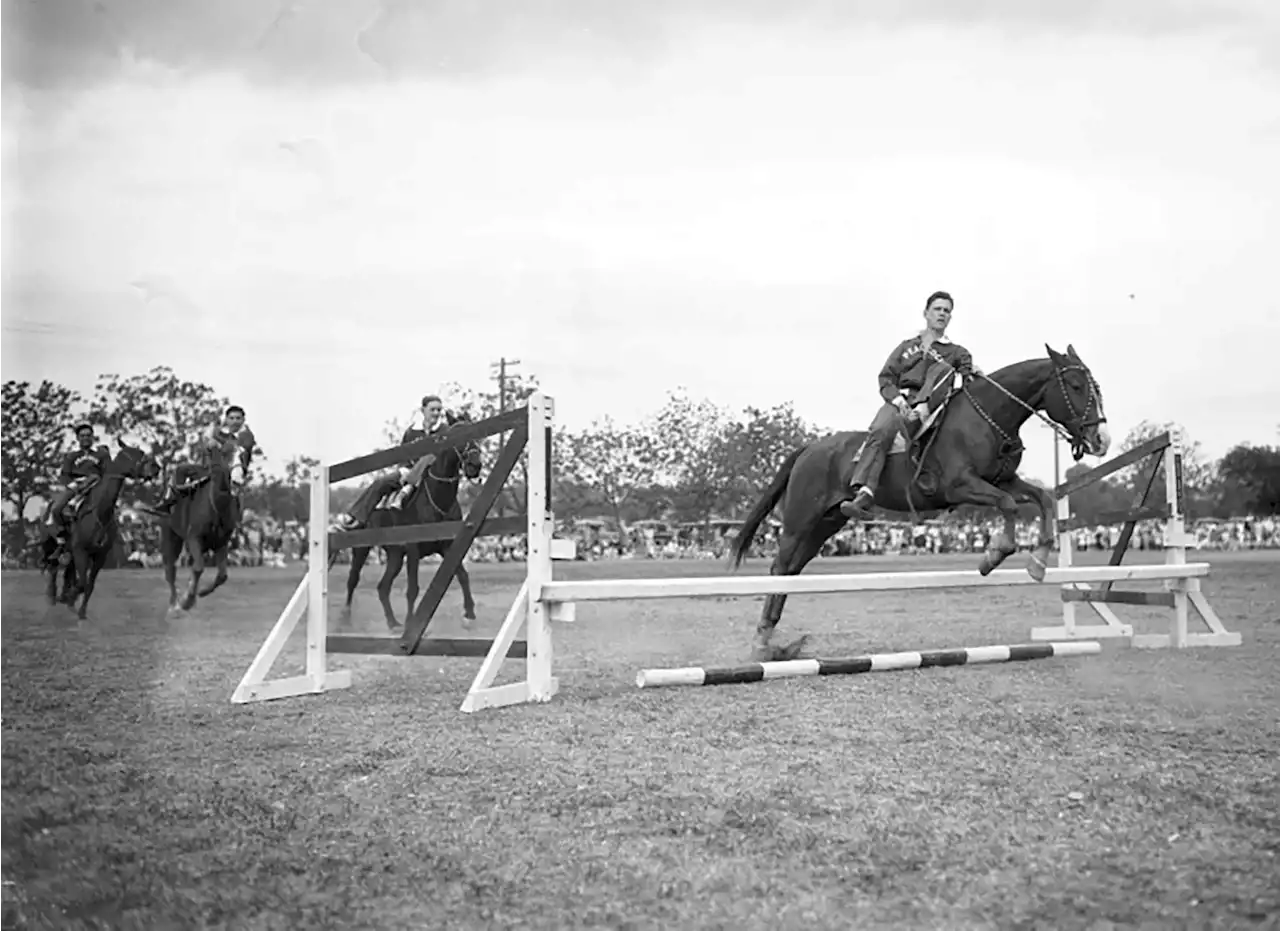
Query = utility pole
x=499 y=374
x=1057 y=441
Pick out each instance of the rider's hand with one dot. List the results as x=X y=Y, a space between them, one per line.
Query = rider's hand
x=901 y=404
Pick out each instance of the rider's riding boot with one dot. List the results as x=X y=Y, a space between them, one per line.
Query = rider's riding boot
x=863 y=500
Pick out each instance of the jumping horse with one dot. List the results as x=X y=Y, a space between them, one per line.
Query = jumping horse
x=202 y=521
x=433 y=499
x=971 y=453
x=93 y=529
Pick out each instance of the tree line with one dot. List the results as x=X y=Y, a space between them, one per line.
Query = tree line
x=689 y=461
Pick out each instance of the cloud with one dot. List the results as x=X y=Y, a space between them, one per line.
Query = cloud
x=304 y=42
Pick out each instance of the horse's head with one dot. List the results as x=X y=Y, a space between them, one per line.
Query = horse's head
x=134 y=462
x=1074 y=400
x=468 y=452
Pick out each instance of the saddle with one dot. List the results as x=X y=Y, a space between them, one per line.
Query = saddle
x=915 y=443
x=75 y=503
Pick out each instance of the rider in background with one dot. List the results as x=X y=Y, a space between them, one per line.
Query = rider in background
x=433 y=421
x=914 y=368
x=82 y=468
x=228 y=442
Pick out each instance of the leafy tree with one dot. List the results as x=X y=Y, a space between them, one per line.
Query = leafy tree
x=1249 y=481
x=36 y=431
x=691 y=454
x=609 y=462
x=754 y=447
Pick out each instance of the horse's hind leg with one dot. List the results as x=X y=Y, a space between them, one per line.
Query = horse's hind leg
x=795 y=551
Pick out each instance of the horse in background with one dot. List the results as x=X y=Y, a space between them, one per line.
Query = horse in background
x=971 y=453
x=202 y=521
x=93 y=529
x=434 y=499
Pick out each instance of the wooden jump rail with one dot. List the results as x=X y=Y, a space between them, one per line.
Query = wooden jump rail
x=542 y=599
x=1163 y=451
x=311 y=596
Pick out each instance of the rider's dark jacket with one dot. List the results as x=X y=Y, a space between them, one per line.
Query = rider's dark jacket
x=907 y=368
x=413 y=434
x=84 y=463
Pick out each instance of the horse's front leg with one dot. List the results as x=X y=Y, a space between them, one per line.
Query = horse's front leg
x=70 y=582
x=972 y=489
x=359 y=555
x=411 y=580
x=219 y=560
x=91 y=569
x=468 y=603
x=395 y=559
x=196 y=551
x=1041 y=498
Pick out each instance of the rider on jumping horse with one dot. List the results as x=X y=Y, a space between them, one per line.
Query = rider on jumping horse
x=911 y=373
x=433 y=421
x=229 y=442
x=82 y=468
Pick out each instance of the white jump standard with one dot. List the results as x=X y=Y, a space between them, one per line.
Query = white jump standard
x=855 y=665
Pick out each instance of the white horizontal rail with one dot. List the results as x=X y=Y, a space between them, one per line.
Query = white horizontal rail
x=628 y=589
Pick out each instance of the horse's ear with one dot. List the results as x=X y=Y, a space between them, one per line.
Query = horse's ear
x=1052 y=353
x=1071 y=351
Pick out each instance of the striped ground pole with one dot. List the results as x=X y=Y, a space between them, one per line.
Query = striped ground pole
x=874 y=662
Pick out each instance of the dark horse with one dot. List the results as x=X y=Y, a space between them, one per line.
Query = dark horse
x=202 y=521
x=434 y=499
x=92 y=531
x=972 y=453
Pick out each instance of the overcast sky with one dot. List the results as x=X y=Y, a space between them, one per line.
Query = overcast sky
x=327 y=208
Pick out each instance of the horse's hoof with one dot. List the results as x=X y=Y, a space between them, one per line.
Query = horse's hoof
x=1036 y=569
x=769 y=653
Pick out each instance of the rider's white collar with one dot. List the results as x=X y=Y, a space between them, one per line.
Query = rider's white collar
x=944 y=338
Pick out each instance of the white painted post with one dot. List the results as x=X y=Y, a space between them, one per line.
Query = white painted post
x=1066 y=558
x=318 y=578
x=541 y=683
x=1175 y=553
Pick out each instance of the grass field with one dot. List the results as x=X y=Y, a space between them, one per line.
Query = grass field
x=1132 y=788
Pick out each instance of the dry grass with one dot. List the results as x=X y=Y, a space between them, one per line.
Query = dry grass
x=1126 y=788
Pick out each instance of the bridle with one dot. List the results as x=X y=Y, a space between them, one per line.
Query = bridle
x=1079 y=421
x=466 y=449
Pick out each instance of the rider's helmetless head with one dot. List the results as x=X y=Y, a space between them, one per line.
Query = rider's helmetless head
x=937 y=311
x=234 y=418
x=432 y=409
x=84 y=435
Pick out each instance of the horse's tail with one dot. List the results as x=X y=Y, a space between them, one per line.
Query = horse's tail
x=762 y=508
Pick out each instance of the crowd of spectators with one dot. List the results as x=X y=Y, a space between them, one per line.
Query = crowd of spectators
x=266 y=542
